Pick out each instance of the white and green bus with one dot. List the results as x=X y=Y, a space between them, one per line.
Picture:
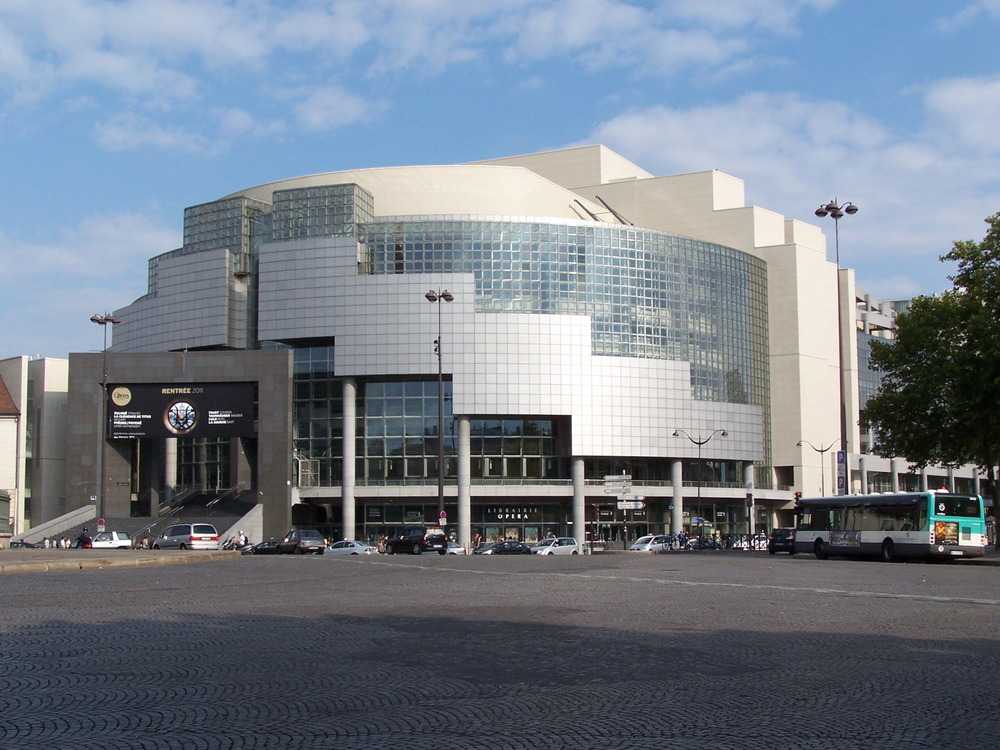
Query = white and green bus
x=894 y=526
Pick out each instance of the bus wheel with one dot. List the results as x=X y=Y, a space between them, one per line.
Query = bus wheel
x=819 y=549
x=888 y=551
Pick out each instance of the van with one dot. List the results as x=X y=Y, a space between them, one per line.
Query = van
x=188 y=536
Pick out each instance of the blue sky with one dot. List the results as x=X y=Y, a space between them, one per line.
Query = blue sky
x=117 y=114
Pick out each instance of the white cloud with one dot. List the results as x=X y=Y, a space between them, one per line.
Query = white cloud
x=126 y=132
x=965 y=113
x=969 y=14
x=332 y=107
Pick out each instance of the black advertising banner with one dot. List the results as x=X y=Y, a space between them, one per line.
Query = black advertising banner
x=146 y=410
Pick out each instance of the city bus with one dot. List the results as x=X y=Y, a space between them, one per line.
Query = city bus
x=929 y=525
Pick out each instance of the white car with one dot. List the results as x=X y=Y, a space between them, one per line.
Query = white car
x=563 y=545
x=651 y=543
x=351 y=547
x=454 y=548
x=111 y=540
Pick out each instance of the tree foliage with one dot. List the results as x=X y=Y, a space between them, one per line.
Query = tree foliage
x=941 y=377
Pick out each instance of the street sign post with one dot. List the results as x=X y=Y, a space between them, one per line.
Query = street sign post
x=631 y=505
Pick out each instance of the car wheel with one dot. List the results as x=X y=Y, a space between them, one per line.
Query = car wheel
x=819 y=549
x=183 y=546
x=354 y=553
x=574 y=552
x=888 y=551
x=156 y=546
x=771 y=551
x=442 y=552
x=417 y=549
x=299 y=551
x=389 y=550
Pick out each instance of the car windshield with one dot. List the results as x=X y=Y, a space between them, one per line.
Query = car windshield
x=644 y=540
x=204 y=528
x=546 y=543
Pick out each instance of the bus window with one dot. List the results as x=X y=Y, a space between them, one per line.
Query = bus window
x=907 y=517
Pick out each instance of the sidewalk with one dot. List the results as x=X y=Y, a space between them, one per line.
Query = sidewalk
x=52 y=560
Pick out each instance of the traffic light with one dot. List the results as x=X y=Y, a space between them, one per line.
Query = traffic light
x=798 y=496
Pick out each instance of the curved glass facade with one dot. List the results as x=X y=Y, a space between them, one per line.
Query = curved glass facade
x=649 y=294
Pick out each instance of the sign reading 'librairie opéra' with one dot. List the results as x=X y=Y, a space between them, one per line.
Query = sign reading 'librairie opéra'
x=144 y=410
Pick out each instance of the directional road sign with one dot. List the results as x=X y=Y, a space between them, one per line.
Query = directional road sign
x=631 y=505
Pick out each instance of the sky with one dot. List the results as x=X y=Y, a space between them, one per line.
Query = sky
x=115 y=115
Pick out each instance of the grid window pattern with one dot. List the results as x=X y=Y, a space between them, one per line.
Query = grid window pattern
x=514 y=449
x=398 y=432
x=649 y=294
x=224 y=223
x=204 y=463
x=868 y=379
x=318 y=412
x=323 y=211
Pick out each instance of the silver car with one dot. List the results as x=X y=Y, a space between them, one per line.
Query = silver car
x=651 y=543
x=350 y=547
x=188 y=536
x=563 y=545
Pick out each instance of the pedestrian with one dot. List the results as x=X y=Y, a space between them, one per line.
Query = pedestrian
x=477 y=542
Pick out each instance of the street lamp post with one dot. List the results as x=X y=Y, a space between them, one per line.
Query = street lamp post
x=822 y=464
x=700 y=441
x=437 y=298
x=104 y=321
x=836 y=212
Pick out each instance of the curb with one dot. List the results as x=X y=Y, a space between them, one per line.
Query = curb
x=100 y=563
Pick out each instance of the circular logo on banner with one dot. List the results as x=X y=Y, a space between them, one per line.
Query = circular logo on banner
x=180 y=417
x=121 y=396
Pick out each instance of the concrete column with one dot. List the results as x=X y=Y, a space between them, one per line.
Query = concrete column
x=169 y=472
x=348 y=473
x=579 y=502
x=677 y=480
x=863 y=471
x=923 y=479
x=749 y=486
x=894 y=465
x=464 y=482
x=951 y=480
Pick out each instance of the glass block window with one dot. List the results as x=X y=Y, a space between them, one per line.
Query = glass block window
x=321 y=211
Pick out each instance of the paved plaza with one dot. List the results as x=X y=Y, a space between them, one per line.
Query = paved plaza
x=685 y=650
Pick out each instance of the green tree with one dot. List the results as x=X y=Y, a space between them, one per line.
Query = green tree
x=941 y=376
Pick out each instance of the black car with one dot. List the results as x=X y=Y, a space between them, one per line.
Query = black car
x=781 y=540
x=417 y=540
x=269 y=547
x=504 y=548
x=21 y=544
x=302 y=542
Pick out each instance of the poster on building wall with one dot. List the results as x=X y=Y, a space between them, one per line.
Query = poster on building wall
x=143 y=410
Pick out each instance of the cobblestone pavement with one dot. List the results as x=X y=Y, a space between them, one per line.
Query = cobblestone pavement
x=701 y=650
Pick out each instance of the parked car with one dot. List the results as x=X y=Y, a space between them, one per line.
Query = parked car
x=350 y=547
x=267 y=547
x=188 y=536
x=781 y=540
x=651 y=543
x=111 y=540
x=302 y=542
x=21 y=544
x=454 y=548
x=418 y=539
x=564 y=545
x=504 y=548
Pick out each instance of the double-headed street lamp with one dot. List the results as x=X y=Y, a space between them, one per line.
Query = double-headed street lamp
x=438 y=297
x=822 y=463
x=700 y=441
x=104 y=321
x=836 y=212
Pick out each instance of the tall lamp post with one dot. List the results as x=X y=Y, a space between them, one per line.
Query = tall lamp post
x=836 y=212
x=822 y=465
x=437 y=298
x=104 y=321
x=700 y=441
